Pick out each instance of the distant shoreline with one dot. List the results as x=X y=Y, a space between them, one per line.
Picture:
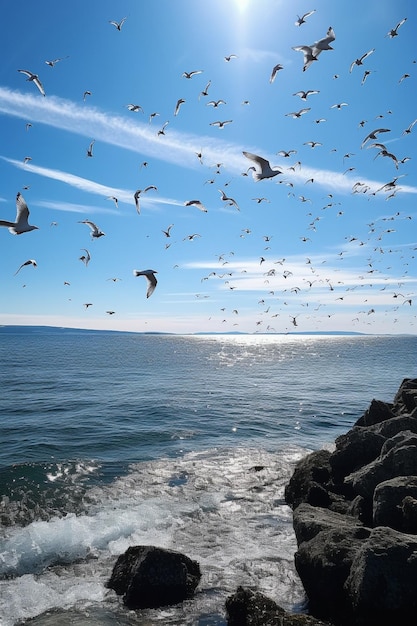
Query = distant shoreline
x=16 y=328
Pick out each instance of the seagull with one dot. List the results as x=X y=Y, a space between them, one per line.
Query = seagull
x=275 y=71
x=286 y=154
x=373 y=135
x=302 y=19
x=304 y=94
x=230 y=57
x=35 y=79
x=191 y=74
x=167 y=232
x=229 y=201
x=299 y=113
x=21 y=225
x=197 y=204
x=137 y=195
x=86 y=93
x=312 y=52
x=394 y=31
x=90 y=148
x=118 y=25
x=409 y=128
x=95 y=231
x=178 y=105
x=361 y=59
x=115 y=200
x=150 y=277
x=221 y=124
x=29 y=262
x=266 y=169
x=55 y=61
x=85 y=258
x=205 y=90
x=215 y=103
x=134 y=107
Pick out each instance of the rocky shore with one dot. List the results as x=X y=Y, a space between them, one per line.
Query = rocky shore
x=355 y=519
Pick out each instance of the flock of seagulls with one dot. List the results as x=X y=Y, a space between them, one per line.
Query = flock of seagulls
x=260 y=169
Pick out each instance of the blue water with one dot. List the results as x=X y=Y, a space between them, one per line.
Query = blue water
x=115 y=439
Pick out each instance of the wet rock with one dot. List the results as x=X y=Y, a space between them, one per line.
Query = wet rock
x=149 y=577
x=355 y=519
x=251 y=608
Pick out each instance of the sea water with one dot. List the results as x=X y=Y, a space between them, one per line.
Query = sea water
x=185 y=442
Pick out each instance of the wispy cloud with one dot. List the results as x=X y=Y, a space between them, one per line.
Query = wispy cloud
x=174 y=147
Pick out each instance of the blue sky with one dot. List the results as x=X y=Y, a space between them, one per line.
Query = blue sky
x=323 y=246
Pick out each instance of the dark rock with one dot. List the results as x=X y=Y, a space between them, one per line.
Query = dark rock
x=388 y=502
x=377 y=412
x=311 y=473
x=148 y=577
x=355 y=519
x=251 y=608
x=354 y=449
x=383 y=584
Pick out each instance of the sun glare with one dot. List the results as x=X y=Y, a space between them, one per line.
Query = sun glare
x=241 y=5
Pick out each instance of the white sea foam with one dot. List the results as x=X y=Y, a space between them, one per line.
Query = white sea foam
x=223 y=509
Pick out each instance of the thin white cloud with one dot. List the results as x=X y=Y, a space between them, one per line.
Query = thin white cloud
x=174 y=147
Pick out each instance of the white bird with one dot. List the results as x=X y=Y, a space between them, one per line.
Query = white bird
x=304 y=94
x=215 y=103
x=221 y=124
x=33 y=78
x=21 y=225
x=95 y=231
x=196 y=203
x=373 y=135
x=275 y=71
x=311 y=53
x=134 y=107
x=228 y=200
x=299 y=113
x=394 y=31
x=302 y=19
x=360 y=60
x=191 y=74
x=409 y=128
x=85 y=258
x=137 y=195
x=263 y=164
x=150 y=277
x=178 y=105
x=90 y=148
x=28 y=262
x=115 y=200
x=55 y=61
x=118 y=25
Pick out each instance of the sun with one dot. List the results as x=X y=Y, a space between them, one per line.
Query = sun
x=241 y=5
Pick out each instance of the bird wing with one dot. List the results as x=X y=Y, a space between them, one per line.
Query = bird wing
x=257 y=159
x=22 y=211
x=39 y=85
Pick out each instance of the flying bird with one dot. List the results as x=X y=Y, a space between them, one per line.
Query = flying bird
x=191 y=74
x=298 y=114
x=33 y=78
x=118 y=25
x=150 y=277
x=360 y=60
x=135 y=108
x=85 y=258
x=53 y=62
x=29 y=262
x=95 y=231
x=90 y=148
x=215 y=103
x=266 y=170
x=275 y=71
x=178 y=105
x=137 y=195
x=228 y=200
x=311 y=53
x=196 y=203
x=394 y=31
x=302 y=19
x=21 y=225
x=230 y=57
x=221 y=124
x=115 y=200
x=304 y=94
x=167 y=232
x=373 y=135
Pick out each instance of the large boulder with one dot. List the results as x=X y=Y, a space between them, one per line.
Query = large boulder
x=355 y=518
x=149 y=577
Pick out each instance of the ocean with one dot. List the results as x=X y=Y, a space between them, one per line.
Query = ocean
x=185 y=442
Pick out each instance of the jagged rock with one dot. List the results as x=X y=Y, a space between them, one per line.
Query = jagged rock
x=355 y=519
x=306 y=483
x=354 y=449
x=388 y=502
x=251 y=608
x=149 y=577
x=383 y=584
